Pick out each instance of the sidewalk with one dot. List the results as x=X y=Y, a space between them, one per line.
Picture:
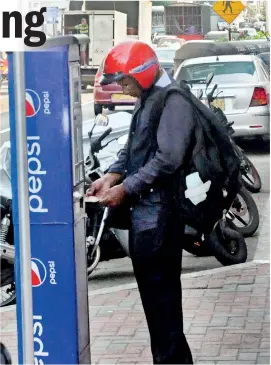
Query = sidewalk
x=226 y=320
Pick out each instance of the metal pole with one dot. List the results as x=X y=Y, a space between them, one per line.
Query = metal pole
x=23 y=206
x=54 y=28
x=230 y=32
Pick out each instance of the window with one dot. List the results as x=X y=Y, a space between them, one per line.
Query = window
x=224 y=72
x=265 y=70
x=183 y=20
x=166 y=54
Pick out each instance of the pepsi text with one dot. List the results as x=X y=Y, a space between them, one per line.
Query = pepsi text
x=36 y=174
x=39 y=349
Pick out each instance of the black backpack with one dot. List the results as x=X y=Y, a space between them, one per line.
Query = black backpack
x=211 y=155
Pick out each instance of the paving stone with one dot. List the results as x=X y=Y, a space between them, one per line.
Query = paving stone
x=230 y=338
x=229 y=287
x=256 y=313
x=264 y=360
x=262 y=280
x=209 y=350
x=239 y=311
x=245 y=288
x=250 y=340
x=227 y=352
x=242 y=299
x=202 y=318
x=247 y=355
x=213 y=335
x=101 y=344
x=107 y=361
x=265 y=344
x=116 y=348
x=253 y=325
x=197 y=330
x=216 y=283
x=216 y=358
x=236 y=322
x=133 y=349
x=219 y=321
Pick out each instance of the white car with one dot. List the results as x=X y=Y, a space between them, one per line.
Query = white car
x=250 y=31
x=222 y=25
x=243 y=85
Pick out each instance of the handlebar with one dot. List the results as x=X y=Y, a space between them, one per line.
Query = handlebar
x=96 y=145
x=104 y=135
x=211 y=94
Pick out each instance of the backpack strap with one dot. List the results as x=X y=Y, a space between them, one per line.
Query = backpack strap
x=160 y=102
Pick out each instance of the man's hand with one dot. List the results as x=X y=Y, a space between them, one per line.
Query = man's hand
x=114 y=196
x=100 y=187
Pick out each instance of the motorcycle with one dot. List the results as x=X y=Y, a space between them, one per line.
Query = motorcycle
x=243 y=215
x=227 y=245
x=103 y=243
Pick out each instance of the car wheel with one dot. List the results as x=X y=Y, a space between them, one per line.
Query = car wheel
x=98 y=109
x=111 y=108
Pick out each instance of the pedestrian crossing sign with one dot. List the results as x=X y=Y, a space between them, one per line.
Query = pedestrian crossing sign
x=228 y=10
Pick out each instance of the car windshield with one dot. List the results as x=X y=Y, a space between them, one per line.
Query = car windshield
x=266 y=58
x=225 y=72
x=165 y=41
x=216 y=36
x=166 y=54
x=243 y=25
x=155 y=40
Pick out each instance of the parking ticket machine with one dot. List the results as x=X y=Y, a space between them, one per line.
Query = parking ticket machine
x=56 y=203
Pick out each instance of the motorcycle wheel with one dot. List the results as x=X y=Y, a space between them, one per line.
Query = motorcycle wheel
x=250 y=176
x=228 y=246
x=243 y=215
x=7 y=282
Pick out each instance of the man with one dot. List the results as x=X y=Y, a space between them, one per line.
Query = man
x=83 y=29
x=227 y=6
x=144 y=177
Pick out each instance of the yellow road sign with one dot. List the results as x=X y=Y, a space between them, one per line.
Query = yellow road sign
x=228 y=10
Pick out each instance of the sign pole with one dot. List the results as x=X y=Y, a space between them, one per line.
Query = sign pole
x=23 y=209
x=230 y=38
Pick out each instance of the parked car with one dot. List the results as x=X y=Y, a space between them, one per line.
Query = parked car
x=157 y=38
x=243 y=25
x=170 y=41
x=166 y=58
x=243 y=86
x=4 y=68
x=158 y=30
x=260 y=26
x=222 y=25
x=109 y=96
x=251 y=32
x=217 y=35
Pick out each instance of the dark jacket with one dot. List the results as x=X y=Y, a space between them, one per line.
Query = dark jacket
x=144 y=166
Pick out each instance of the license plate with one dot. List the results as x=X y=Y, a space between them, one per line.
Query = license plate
x=122 y=97
x=219 y=103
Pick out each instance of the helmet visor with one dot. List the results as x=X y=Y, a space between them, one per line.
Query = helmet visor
x=107 y=79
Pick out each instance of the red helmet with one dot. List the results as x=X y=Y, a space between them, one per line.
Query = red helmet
x=131 y=58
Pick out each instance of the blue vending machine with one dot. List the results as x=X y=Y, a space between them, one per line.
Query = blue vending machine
x=56 y=202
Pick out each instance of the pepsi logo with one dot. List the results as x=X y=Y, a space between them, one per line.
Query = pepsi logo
x=32 y=103
x=39 y=272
